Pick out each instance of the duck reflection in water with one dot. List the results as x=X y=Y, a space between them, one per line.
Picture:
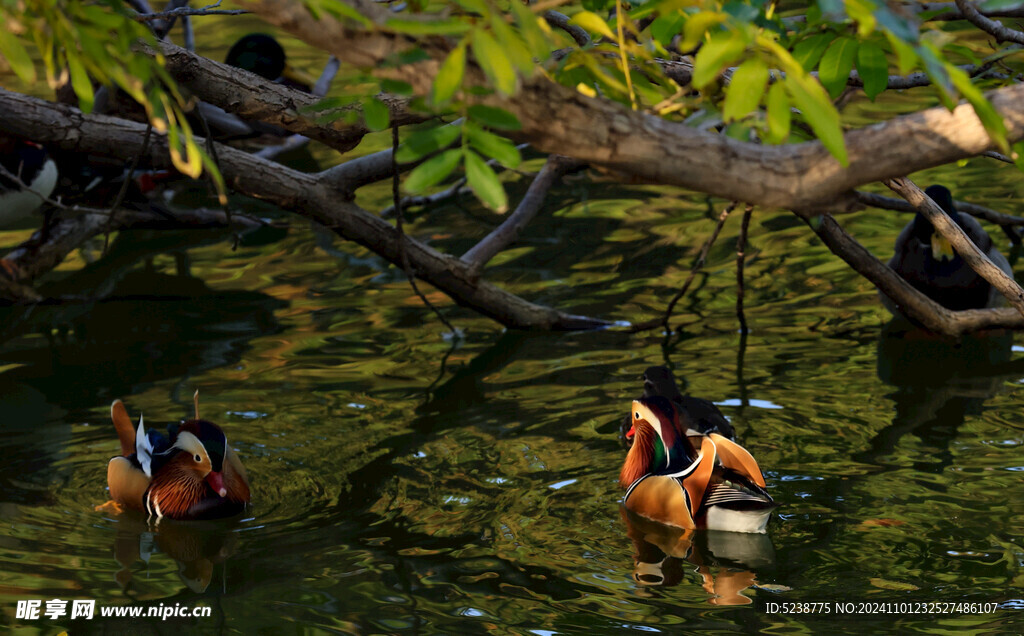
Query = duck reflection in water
x=938 y=383
x=196 y=548
x=727 y=562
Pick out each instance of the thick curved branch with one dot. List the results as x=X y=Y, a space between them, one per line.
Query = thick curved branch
x=253 y=98
x=305 y=194
x=992 y=27
x=911 y=302
x=964 y=246
x=557 y=119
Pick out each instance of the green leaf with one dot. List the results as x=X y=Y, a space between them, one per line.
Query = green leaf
x=396 y=87
x=433 y=170
x=536 y=40
x=938 y=74
x=906 y=56
x=723 y=48
x=666 y=27
x=423 y=142
x=779 y=114
x=593 y=23
x=836 y=64
x=513 y=45
x=494 y=117
x=495 y=64
x=809 y=50
x=820 y=113
x=16 y=55
x=485 y=183
x=873 y=68
x=498 y=148
x=745 y=89
x=697 y=25
x=449 y=77
x=983 y=108
x=80 y=82
x=861 y=12
x=376 y=114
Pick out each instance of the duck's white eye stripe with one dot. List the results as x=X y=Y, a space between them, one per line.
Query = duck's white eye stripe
x=636 y=415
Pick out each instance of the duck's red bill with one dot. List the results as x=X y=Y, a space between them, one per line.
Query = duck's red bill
x=631 y=432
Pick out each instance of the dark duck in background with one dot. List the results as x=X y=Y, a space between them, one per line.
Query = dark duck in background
x=927 y=261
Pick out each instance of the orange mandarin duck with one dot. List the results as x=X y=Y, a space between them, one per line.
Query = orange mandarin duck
x=676 y=476
x=189 y=474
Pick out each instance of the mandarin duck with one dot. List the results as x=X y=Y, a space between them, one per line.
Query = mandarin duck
x=681 y=478
x=926 y=260
x=190 y=474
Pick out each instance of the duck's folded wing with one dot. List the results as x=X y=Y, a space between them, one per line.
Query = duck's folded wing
x=127 y=482
x=734 y=456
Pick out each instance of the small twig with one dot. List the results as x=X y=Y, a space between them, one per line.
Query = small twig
x=741 y=246
x=124 y=184
x=404 y=255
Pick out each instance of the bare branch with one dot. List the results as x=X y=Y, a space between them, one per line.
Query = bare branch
x=965 y=247
x=507 y=233
x=992 y=27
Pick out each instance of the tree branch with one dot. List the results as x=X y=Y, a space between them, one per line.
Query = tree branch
x=254 y=98
x=506 y=233
x=965 y=247
x=992 y=27
x=307 y=195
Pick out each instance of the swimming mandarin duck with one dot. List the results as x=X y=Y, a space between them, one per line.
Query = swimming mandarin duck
x=190 y=474
x=681 y=478
x=926 y=260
